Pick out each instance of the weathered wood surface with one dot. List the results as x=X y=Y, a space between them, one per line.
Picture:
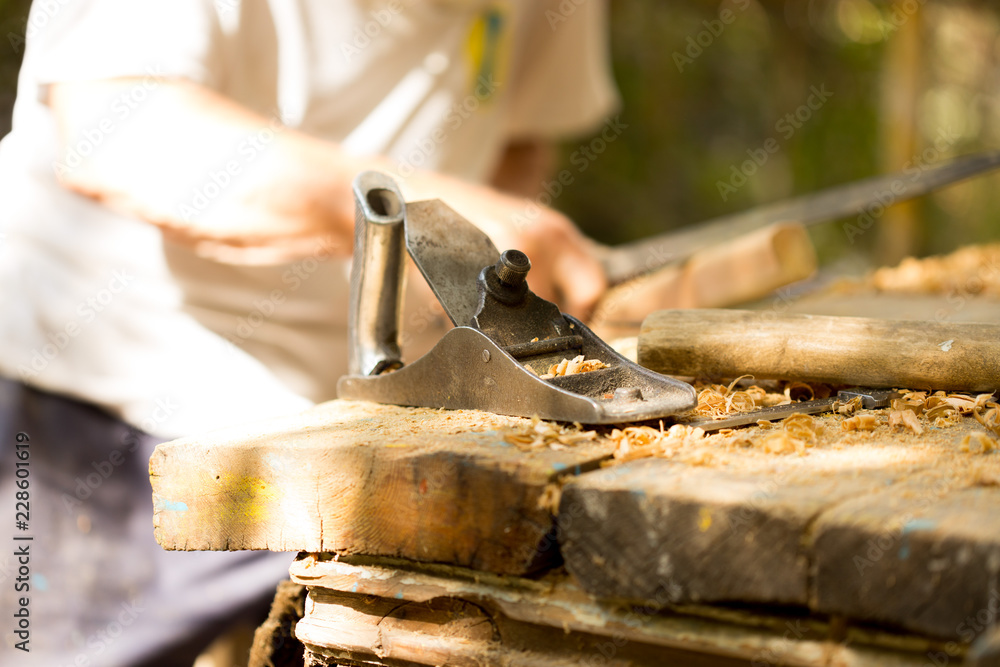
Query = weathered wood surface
x=380 y=612
x=363 y=478
x=794 y=529
x=905 y=557
x=868 y=352
x=655 y=529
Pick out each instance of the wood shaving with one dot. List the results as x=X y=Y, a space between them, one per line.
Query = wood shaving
x=540 y=433
x=849 y=408
x=947 y=422
x=782 y=442
x=549 y=500
x=971 y=270
x=799 y=391
x=989 y=416
x=905 y=419
x=943 y=411
x=573 y=366
x=798 y=433
x=860 y=423
x=636 y=442
x=802 y=427
x=718 y=401
x=912 y=401
x=979 y=443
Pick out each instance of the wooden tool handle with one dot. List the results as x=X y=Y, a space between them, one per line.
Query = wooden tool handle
x=839 y=350
x=737 y=271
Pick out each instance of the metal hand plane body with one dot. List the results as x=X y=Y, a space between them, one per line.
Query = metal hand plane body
x=505 y=338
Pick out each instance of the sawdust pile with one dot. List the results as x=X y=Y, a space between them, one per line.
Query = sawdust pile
x=573 y=366
x=538 y=433
x=913 y=413
x=972 y=270
x=638 y=442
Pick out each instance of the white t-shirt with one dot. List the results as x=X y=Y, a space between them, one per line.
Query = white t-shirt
x=97 y=306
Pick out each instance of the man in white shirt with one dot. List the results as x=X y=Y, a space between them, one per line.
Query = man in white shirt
x=178 y=217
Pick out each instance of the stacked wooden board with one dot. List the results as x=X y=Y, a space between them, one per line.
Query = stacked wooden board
x=867 y=549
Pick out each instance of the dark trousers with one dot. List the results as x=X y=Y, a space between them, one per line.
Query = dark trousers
x=100 y=591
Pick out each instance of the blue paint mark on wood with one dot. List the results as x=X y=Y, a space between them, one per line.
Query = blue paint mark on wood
x=170 y=505
x=909 y=527
x=919 y=524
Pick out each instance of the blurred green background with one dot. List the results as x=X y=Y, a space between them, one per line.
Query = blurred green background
x=901 y=73
x=700 y=92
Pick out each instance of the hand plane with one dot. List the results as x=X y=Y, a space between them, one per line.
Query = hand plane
x=505 y=336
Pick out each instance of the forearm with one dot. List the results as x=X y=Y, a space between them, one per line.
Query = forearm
x=238 y=187
x=210 y=173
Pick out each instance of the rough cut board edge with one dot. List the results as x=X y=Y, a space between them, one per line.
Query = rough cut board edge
x=656 y=529
x=352 y=477
x=594 y=557
x=555 y=601
x=949 y=547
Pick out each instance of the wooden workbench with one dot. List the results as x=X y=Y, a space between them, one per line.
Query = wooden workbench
x=877 y=548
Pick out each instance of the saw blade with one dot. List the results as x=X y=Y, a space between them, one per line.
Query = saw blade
x=871 y=195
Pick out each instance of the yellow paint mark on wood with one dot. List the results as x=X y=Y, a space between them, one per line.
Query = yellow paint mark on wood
x=247 y=498
x=704 y=519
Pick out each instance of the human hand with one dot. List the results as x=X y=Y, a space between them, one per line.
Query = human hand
x=564 y=268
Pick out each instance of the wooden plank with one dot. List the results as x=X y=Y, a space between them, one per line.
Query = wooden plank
x=659 y=530
x=866 y=352
x=353 y=477
x=909 y=559
x=549 y=622
x=791 y=531
x=738 y=270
